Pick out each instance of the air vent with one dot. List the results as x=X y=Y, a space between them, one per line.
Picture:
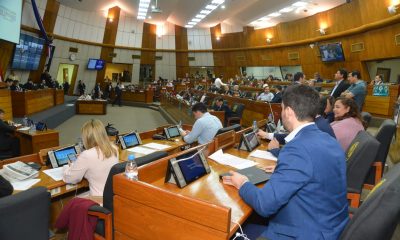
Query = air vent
x=240 y=58
x=158 y=58
x=266 y=57
x=294 y=55
x=135 y=56
x=191 y=58
x=357 y=47
x=73 y=50
x=112 y=55
x=397 y=39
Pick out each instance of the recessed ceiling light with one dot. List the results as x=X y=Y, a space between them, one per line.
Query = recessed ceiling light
x=141 y=17
x=188 y=26
x=201 y=16
x=153 y=7
x=300 y=4
x=143 y=5
x=142 y=14
x=286 y=10
x=275 y=14
x=205 y=12
x=149 y=17
x=211 y=7
x=218 y=1
x=192 y=23
x=142 y=10
x=196 y=20
x=223 y=6
x=264 y=19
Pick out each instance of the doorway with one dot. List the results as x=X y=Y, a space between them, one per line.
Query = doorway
x=68 y=73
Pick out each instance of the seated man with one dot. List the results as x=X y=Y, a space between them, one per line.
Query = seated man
x=305 y=197
x=357 y=89
x=220 y=106
x=265 y=96
x=15 y=86
x=205 y=128
x=8 y=143
x=278 y=94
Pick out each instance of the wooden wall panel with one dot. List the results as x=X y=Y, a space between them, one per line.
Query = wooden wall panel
x=6 y=103
x=149 y=42
x=110 y=35
x=6 y=51
x=181 y=43
x=49 y=22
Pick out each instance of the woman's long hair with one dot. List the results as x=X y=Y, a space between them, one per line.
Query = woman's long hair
x=353 y=110
x=94 y=136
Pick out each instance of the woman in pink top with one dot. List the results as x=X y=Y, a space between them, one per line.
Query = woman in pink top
x=95 y=162
x=347 y=122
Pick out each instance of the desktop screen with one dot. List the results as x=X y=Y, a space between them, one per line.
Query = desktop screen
x=10 y=20
x=130 y=140
x=173 y=132
x=191 y=168
x=95 y=64
x=252 y=140
x=332 y=52
x=62 y=155
x=27 y=53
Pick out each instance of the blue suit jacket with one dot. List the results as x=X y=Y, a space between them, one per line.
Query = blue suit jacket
x=306 y=195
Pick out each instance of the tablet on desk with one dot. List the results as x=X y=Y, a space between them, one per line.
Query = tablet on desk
x=60 y=157
x=172 y=132
x=249 y=141
x=130 y=140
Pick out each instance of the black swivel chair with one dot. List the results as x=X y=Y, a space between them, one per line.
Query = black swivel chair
x=360 y=155
x=366 y=117
x=235 y=127
x=25 y=215
x=384 y=136
x=236 y=114
x=104 y=227
x=378 y=216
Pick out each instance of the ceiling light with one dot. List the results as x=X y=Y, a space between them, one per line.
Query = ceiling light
x=142 y=14
x=264 y=19
x=143 y=5
x=223 y=6
x=286 y=10
x=149 y=17
x=300 y=4
x=188 y=26
x=196 y=20
x=192 y=23
x=211 y=7
x=201 y=16
x=153 y=7
x=205 y=12
x=142 y=10
x=275 y=14
x=218 y=1
x=141 y=17
x=145 y=1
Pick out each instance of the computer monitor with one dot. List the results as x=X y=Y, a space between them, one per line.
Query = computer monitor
x=60 y=157
x=130 y=140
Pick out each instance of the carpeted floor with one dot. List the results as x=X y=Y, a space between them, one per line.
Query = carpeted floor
x=123 y=118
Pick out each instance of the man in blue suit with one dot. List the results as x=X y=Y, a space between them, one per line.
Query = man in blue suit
x=306 y=195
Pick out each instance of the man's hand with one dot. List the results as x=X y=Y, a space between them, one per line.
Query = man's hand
x=262 y=134
x=184 y=133
x=236 y=179
x=270 y=169
x=273 y=144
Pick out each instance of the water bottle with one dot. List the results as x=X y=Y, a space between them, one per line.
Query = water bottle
x=25 y=121
x=255 y=127
x=131 y=170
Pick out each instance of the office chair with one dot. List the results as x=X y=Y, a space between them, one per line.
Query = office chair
x=360 y=155
x=225 y=140
x=104 y=227
x=6 y=154
x=366 y=117
x=25 y=215
x=237 y=112
x=378 y=216
x=384 y=136
x=235 y=127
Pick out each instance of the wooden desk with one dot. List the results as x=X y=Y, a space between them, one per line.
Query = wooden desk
x=6 y=104
x=58 y=96
x=145 y=96
x=381 y=106
x=152 y=209
x=91 y=107
x=27 y=103
x=35 y=141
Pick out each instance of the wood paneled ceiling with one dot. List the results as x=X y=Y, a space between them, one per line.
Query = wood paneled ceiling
x=237 y=12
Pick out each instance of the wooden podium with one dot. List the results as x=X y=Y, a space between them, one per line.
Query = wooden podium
x=152 y=209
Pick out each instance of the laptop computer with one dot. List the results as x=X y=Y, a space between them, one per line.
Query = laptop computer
x=254 y=174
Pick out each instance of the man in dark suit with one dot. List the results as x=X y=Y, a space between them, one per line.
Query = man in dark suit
x=118 y=94
x=15 y=86
x=278 y=94
x=29 y=85
x=8 y=143
x=305 y=197
x=220 y=106
x=341 y=83
x=97 y=91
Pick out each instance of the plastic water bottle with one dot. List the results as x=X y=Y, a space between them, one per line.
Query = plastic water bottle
x=25 y=121
x=131 y=170
x=255 y=127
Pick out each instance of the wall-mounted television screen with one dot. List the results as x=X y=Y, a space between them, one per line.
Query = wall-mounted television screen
x=95 y=64
x=10 y=20
x=332 y=52
x=27 y=53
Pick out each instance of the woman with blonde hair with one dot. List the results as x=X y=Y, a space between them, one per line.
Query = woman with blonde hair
x=95 y=162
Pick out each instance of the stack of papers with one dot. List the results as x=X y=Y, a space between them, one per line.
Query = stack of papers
x=263 y=155
x=231 y=160
x=156 y=146
x=25 y=184
x=141 y=150
x=55 y=173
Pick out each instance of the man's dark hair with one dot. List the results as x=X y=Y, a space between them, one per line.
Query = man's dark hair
x=323 y=102
x=220 y=99
x=343 y=72
x=279 y=87
x=201 y=107
x=1 y=111
x=304 y=101
x=356 y=74
x=297 y=76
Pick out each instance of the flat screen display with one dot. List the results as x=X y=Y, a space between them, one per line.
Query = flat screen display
x=173 y=132
x=63 y=155
x=131 y=140
x=252 y=140
x=10 y=20
x=192 y=168
x=332 y=52
x=27 y=53
x=95 y=64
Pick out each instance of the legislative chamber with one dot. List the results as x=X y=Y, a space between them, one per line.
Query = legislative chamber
x=214 y=119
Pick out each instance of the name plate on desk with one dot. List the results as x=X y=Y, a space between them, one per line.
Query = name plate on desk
x=381 y=90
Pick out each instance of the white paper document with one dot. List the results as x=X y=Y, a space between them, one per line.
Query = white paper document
x=231 y=160
x=141 y=150
x=156 y=146
x=55 y=173
x=25 y=184
x=263 y=155
x=24 y=128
